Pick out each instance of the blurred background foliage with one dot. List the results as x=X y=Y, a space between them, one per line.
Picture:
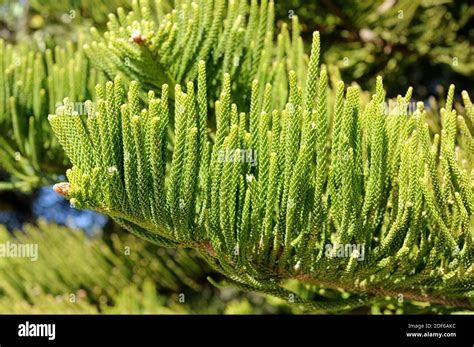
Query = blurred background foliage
x=113 y=272
x=83 y=266
x=419 y=43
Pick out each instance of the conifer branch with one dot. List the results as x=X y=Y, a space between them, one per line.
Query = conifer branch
x=362 y=212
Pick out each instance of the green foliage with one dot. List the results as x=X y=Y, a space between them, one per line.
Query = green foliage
x=96 y=10
x=112 y=274
x=31 y=86
x=416 y=42
x=288 y=167
x=93 y=272
x=354 y=174
x=155 y=47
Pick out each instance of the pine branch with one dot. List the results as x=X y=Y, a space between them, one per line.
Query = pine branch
x=346 y=213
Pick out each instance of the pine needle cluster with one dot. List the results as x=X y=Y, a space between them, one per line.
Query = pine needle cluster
x=32 y=85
